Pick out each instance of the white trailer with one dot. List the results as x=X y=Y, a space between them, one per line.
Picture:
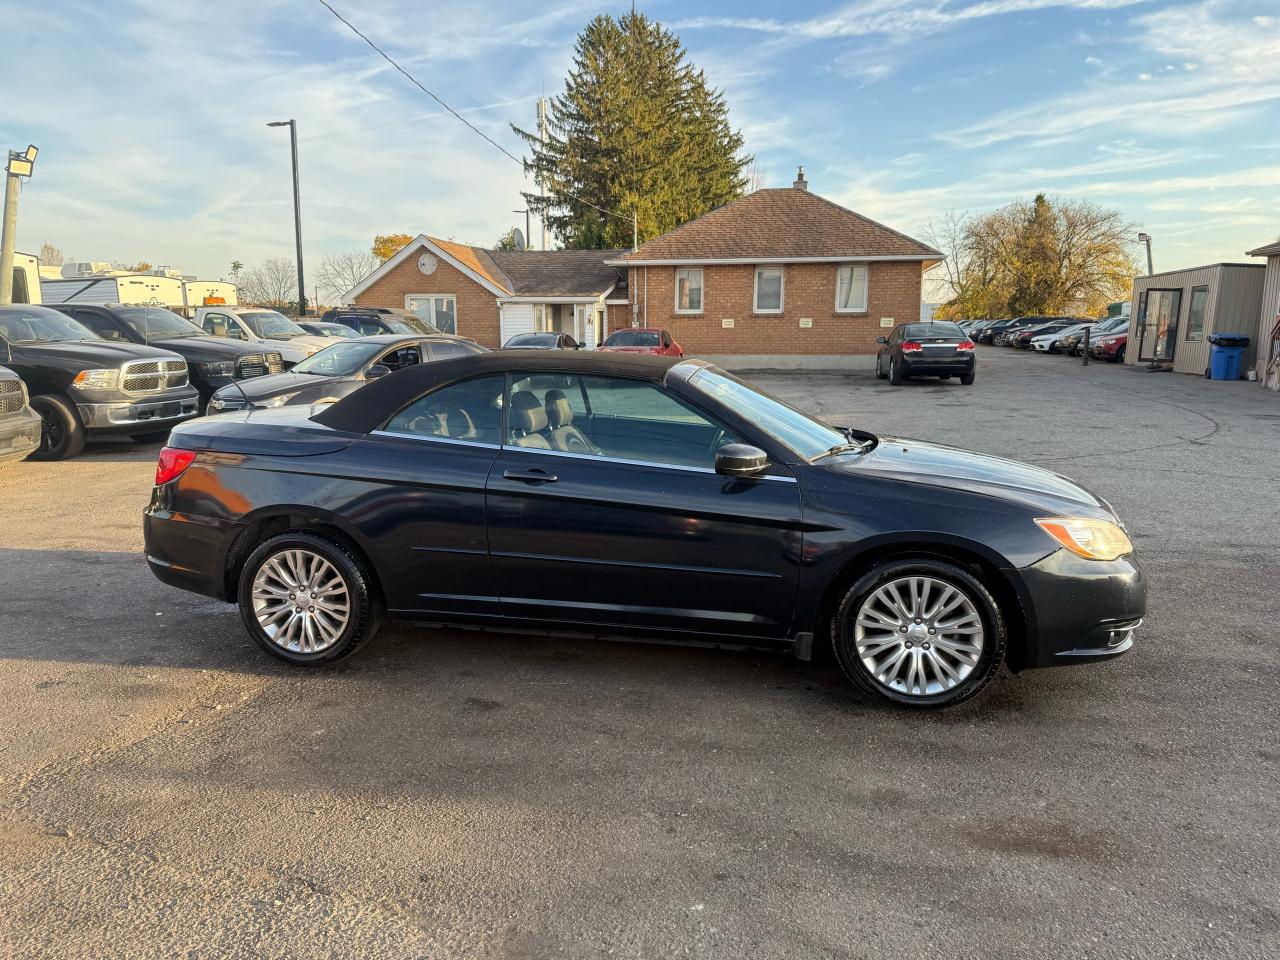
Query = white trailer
x=134 y=288
x=26 y=278
x=208 y=293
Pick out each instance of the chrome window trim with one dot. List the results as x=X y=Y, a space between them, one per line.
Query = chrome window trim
x=558 y=453
x=430 y=439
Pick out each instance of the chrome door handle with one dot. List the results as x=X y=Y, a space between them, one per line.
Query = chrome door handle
x=530 y=476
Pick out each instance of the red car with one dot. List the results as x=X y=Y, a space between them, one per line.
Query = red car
x=651 y=340
x=1109 y=347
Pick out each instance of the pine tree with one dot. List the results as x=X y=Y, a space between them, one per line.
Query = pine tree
x=637 y=130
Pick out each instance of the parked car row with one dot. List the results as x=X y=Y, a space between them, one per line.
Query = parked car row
x=1065 y=335
x=653 y=341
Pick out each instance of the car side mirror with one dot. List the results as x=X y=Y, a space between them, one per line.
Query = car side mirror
x=740 y=460
x=376 y=371
x=882 y=339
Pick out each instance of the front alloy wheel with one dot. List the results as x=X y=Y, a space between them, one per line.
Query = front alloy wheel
x=305 y=599
x=919 y=633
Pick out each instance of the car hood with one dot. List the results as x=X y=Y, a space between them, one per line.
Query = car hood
x=935 y=464
x=94 y=353
x=205 y=349
x=272 y=385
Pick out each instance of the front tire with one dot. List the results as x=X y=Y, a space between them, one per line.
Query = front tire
x=919 y=633
x=880 y=374
x=307 y=600
x=62 y=435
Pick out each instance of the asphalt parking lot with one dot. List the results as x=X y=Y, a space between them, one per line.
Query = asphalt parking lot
x=165 y=791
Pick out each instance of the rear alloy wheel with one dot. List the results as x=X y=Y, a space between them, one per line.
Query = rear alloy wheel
x=919 y=633
x=62 y=435
x=306 y=600
x=895 y=372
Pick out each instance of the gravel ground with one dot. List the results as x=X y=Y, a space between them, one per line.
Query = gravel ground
x=166 y=791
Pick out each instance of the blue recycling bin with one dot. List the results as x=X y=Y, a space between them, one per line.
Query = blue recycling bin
x=1225 y=353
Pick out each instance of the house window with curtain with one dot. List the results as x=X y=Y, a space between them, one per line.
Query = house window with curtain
x=689 y=290
x=768 y=297
x=1195 y=318
x=851 y=288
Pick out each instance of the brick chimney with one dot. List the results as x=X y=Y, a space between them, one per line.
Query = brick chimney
x=800 y=183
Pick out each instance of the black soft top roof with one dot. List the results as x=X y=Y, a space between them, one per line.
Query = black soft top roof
x=370 y=406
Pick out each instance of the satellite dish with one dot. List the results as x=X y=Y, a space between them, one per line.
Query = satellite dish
x=518 y=237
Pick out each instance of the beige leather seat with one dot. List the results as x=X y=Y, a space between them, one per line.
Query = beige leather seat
x=564 y=435
x=528 y=421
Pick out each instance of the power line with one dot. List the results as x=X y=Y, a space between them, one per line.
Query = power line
x=474 y=129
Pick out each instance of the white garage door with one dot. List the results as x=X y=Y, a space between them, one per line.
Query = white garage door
x=516 y=318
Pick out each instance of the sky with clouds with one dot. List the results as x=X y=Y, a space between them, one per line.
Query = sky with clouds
x=151 y=117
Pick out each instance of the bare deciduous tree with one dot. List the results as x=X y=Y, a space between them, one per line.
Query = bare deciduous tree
x=1043 y=256
x=51 y=256
x=272 y=283
x=340 y=272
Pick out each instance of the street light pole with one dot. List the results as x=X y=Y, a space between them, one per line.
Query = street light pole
x=297 y=210
x=1146 y=238
x=20 y=165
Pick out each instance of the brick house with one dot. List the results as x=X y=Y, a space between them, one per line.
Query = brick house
x=491 y=295
x=779 y=278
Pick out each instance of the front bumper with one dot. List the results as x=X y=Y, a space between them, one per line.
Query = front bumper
x=131 y=415
x=1080 y=610
x=19 y=435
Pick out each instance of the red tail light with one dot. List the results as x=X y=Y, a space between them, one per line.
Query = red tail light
x=172 y=463
x=910 y=346
x=966 y=345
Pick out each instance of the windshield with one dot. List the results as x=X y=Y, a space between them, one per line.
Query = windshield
x=155 y=323
x=340 y=359
x=797 y=430
x=272 y=326
x=632 y=338
x=533 y=339
x=40 y=325
x=330 y=330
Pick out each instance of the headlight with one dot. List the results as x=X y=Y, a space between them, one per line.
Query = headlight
x=279 y=401
x=1086 y=537
x=218 y=368
x=97 y=379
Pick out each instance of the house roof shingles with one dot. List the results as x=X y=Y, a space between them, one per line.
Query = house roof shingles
x=556 y=273
x=778 y=224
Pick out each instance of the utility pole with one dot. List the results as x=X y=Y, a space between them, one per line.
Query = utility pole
x=635 y=232
x=542 y=139
x=20 y=165
x=297 y=210
x=1146 y=238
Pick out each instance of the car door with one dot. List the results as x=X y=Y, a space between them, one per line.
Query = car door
x=604 y=509
x=423 y=514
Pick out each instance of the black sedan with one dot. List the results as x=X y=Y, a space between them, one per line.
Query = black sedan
x=938 y=349
x=542 y=341
x=339 y=369
x=611 y=494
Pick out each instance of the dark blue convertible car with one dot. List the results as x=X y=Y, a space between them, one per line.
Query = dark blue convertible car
x=649 y=496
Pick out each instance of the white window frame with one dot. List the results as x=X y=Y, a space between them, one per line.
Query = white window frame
x=782 y=290
x=702 y=290
x=866 y=287
x=432 y=298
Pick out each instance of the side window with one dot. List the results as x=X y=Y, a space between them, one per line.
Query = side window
x=445 y=349
x=638 y=420
x=401 y=358
x=99 y=324
x=470 y=411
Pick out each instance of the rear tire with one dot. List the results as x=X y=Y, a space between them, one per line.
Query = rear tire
x=968 y=378
x=307 y=600
x=895 y=372
x=908 y=665
x=62 y=435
